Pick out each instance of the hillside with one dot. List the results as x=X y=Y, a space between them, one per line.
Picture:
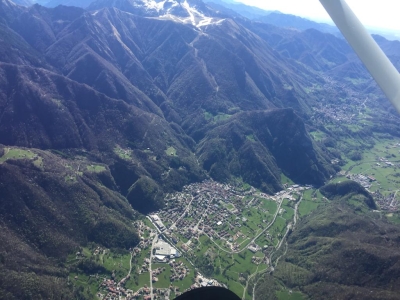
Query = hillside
x=263 y=145
x=49 y=207
x=93 y=122
x=338 y=253
x=115 y=53
x=110 y=108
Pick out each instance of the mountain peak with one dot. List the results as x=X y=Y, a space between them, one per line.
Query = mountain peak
x=193 y=12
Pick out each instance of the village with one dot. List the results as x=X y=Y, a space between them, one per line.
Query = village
x=385 y=198
x=337 y=110
x=217 y=211
x=157 y=251
x=207 y=216
x=221 y=213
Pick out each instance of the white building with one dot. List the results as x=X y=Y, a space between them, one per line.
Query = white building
x=164 y=249
x=156 y=219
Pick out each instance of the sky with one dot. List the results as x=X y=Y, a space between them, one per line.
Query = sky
x=384 y=14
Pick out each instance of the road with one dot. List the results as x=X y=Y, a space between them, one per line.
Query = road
x=202 y=216
x=256 y=237
x=150 y=271
x=166 y=238
x=277 y=260
x=290 y=226
x=184 y=212
x=284 y=237
x=394 y=198
x=127 y=276
x=295 y=216
x=247 y=283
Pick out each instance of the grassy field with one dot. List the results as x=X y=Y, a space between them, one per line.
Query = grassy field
x=235 y=287
x=148 y=223
x=203 y=246
x=13 y=153
x=387 y=176
x=307 y=206
x=218 y=118
x=163 y=278
x=289 y=211
x=338 y=179
x=285 y=295
x=123 y=153
x=317 y=135
x=286 y=180
x=394 y=218
x=171 y=151
x=143 y=280
x=269 y=205
x=118 y=263
x=96 y=168
x=229 y=206
x=243 y=262
x=87 y=283
x=38 y=162
x=188 y=280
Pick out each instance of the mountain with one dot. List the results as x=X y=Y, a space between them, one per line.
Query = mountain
x=193 y=12
x=275 y=18
x=295 y=22
x=91 y=121
x=116 y=53
x=105 y=110
x=339 y=252
x=77 y=3
x=257 y=145
x=320 y=51
x=49 y=207
x=237 y=8
x=23 y=2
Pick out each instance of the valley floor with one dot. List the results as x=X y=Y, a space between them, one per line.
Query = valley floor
x=222 y=235
x=209 y=234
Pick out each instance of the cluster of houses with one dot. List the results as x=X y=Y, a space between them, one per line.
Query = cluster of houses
x=114 y=290
x=201 y=281
x=178 y=271
x=365 y=181
x=211 y=203
x=257 y=260
x=145 y=293
x=155 y=273
x=386 y=203
x=214 y=209
x=340 y=111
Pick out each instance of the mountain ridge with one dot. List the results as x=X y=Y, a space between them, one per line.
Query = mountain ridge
x=106 y=111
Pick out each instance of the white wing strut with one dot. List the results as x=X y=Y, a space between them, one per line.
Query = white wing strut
x=377 y=63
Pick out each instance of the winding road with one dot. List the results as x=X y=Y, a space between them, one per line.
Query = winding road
x=256 y=237
x=184 y=212
x=295 y=217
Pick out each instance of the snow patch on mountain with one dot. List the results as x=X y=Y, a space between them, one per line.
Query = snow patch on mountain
x=194 y=16
x=193 y=12
x=154 y=5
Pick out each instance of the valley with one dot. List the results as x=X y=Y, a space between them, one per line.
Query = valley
x=219 y=235
x=152 y=147
x=230 y=235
